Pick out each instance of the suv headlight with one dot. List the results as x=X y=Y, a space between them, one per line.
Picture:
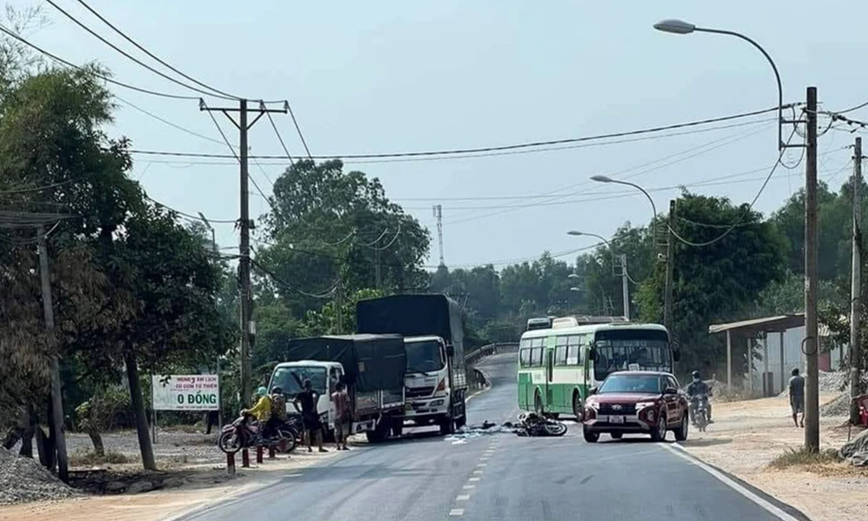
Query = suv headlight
x=643 y=405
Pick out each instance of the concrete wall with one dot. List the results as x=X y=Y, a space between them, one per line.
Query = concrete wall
x=793 y=357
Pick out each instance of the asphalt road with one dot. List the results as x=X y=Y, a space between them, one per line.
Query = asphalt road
x=503 y=477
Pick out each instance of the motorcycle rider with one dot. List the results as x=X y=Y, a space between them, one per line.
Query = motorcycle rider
x=697 y=388
x=278 y=410
x=261 y=411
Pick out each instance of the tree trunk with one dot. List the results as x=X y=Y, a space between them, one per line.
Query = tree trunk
x=29 y=423
x=47 y=452
x=138 y=404
x=96 y=439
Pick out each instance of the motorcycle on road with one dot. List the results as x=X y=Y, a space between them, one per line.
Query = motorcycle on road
x=699 y=404
x=244 y=433
x=533 y=424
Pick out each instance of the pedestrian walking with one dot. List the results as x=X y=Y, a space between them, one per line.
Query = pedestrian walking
x=343 y=415
x=308 y=399
x=797 y=397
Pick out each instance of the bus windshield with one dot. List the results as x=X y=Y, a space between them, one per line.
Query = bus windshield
x=631 y=348
x=292 y=378
x=424 y=357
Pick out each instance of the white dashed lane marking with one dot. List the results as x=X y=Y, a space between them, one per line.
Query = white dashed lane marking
x=463 y=497
x=455 y=512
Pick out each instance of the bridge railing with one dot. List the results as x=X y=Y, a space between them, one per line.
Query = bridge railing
x=476 y=355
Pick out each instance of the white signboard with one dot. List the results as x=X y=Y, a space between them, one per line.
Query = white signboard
x=197 y=392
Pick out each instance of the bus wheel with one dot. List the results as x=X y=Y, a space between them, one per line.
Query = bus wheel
x=578 y=408
x=537 y=403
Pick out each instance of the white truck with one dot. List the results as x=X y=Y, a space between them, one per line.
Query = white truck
x=372 y=367
x=436 y=372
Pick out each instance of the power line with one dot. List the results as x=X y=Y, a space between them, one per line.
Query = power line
x=104 y=77
x=149 y=53
x=298 y=129
x=190 y=216
x=326 y=294
x=166 y=121
x=746 y=213
x=643 y=168
x=464 y=151
x=24 y=190
x=133 y=58
x=280 y=138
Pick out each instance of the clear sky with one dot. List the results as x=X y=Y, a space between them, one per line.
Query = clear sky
x=392 y=76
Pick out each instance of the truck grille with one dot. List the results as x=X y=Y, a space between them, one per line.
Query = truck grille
x=418 y=392
x=611 y=408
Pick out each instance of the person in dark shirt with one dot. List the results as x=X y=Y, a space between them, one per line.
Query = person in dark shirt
x=698 y=387
x=308 y=399
x=797 y=397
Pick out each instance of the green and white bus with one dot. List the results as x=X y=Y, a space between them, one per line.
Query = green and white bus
x=558 y=366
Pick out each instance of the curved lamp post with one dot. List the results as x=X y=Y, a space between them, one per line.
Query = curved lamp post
x=625 y=290
x=605 y=179
x=682 y=27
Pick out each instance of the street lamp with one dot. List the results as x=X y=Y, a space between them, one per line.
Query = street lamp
x=625 y=289
x=682 y=27
x=211 y=229
x=604 y=179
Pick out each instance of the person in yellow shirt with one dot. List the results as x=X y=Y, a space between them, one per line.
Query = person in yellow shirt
x=262 y=410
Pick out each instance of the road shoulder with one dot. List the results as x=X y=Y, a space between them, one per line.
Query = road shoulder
x=747 y=436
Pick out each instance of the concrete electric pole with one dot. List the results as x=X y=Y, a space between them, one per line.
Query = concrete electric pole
x=245 y=224
x=670 y=269
x=438 y=214
x=812 y=340
x=856 y=287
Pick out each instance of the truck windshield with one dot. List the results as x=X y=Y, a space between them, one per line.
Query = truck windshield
x=291 y=379
x=424 y=357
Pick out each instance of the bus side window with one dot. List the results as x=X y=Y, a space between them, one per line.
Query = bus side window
x=536 y=356
x=561 y=351
x=574 y=352
x=524 y=357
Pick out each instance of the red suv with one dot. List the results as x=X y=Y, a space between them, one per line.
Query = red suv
x=636 y=402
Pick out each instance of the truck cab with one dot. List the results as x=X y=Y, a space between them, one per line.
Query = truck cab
x=323 y=377
x=427 y=379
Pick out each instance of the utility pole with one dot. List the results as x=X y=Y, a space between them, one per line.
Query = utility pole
x=377 y=269
x=856 y=287
x=438 y=214
x=812 y=341
x=625 y=288
x=54 y=366
x=670 y=269
x=245 y=224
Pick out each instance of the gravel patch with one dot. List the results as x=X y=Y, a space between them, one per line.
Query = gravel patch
x=174 y=447
x=23 y=480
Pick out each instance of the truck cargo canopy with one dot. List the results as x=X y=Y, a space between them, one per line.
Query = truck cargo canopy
x=371 y=362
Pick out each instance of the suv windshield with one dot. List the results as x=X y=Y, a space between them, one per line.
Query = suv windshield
x=291 y=379
x=631 y=383
x=424 y=357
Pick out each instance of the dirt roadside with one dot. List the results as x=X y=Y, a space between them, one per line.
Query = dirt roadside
x=748 y=435
x=201 y=487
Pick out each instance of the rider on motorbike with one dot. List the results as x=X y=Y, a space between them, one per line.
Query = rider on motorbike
x=698 y=388
x=261 y=411
x=278 y=410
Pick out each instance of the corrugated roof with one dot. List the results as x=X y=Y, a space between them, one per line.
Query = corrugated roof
x=767 y=324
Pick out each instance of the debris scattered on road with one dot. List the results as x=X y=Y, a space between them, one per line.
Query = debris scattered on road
x=23 y=480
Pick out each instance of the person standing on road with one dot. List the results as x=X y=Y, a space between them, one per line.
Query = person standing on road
x=343 y=415
x=308 y=399
x=797 y=397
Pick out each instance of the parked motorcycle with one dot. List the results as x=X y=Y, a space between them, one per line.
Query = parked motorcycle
x=699 y=404
x=533 y=424
x=244 y=433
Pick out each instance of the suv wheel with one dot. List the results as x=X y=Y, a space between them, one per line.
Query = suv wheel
x=590 y=436
x=681 y=431
x=659 y=432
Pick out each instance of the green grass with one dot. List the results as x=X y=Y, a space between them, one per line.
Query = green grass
x=804 y=458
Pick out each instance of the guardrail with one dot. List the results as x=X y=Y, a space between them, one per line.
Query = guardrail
x=490 y=349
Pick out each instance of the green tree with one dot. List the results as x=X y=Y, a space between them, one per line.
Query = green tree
x=717 y=281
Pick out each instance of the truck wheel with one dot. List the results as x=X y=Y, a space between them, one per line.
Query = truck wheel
x=447 y=427
x=397 y=427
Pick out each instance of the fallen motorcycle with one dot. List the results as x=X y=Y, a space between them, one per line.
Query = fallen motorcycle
x=533 y=424
x=244 y=434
